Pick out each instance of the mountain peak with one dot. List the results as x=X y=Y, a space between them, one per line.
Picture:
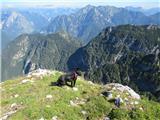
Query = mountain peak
x=89 y=6
x=12 y=18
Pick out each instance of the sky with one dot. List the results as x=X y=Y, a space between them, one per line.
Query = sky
x=80 y=3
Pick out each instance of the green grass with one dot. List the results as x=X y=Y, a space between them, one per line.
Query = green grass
x=34 y=105
x=34 y=102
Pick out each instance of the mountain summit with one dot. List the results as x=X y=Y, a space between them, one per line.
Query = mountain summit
x=33 y=97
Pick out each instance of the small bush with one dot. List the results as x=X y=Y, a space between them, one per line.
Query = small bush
x=97 y=107
x=119 y=114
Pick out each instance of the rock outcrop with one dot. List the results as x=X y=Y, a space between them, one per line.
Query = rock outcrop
x=127 y=96
x=119 y=88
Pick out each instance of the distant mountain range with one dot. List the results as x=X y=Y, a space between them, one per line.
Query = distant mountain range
x=87 y=22
x=125 y=54
x=18 y=21
x=84 y=23
x=147 y=12
x=31 y=51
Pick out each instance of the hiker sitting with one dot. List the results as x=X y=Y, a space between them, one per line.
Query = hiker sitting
x=70 y=77
x=117 y=101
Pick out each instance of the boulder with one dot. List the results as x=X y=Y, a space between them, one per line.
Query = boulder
x=126 y=99
x=106 y=118
x=83 y=112
x=13 y=105
x=136 y=102
x=48 y=96
x=110 y=96
x=75 y=89
x=141 y=108
x=41 y=118
x=54 y=118
x=121 y=100
x=72 y=103
x=77 y=102
x=90 y=82
x=16 y=95
x=26 y=81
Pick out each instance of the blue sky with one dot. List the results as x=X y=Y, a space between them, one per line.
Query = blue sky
x=81 y=3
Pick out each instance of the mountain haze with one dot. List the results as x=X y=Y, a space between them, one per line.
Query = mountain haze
x=148 y=12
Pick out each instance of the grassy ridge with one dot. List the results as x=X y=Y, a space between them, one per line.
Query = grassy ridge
x=33 y=104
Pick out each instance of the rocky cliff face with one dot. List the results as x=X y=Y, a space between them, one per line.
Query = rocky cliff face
x=125 y=54
x=29 y=52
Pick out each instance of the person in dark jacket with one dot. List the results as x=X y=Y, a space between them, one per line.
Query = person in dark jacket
x=117 y=101
x=69 y=77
